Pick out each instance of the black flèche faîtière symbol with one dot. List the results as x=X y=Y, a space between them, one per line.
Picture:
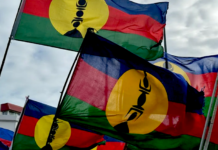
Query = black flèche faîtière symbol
x=81 y=5
x=136 y=109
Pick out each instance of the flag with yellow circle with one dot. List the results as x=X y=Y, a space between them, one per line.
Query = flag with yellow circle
x=200 y=73
x=35 y=126
x=119 y=94
x=64 y=23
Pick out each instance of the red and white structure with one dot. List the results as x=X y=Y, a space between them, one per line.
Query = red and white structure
x=9 y=116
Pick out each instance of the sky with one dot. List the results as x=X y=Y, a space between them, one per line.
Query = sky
x=40 y=71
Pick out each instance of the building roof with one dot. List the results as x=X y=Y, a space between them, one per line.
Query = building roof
x=9 y=106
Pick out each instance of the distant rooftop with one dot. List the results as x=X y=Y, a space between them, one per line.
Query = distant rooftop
x=10 y=107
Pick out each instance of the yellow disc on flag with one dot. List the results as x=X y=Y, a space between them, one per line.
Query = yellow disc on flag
x=174 y=68
x=137 y=104
x=73 y=17
x=42 y=130
x=95 y=148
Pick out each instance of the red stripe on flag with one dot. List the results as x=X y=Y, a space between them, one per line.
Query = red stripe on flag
x=37 y=8
x=136 y=24
x=206 y=80
x=179 y=122
x=5 y=142
x=118 y=20
x=27 y=126
x=78 y=138
x=199 y=81
x=194 y=124
x=100 y=85
x=82 y=139
x=112 y=146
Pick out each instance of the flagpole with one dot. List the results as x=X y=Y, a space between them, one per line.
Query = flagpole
x=165 y=48
x=212 y=121
x=5 y=54
x=54 y=125
x=125 y=147
x=208 y=114
x=68 y=76
x=18 y=124
x=211 y=125
x=11 y=36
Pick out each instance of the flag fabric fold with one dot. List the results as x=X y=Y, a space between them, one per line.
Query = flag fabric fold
x=6 y=137
x=119 y=94
x=111 y=144
x=35 y=126
x=63 y=24
x=200 y=73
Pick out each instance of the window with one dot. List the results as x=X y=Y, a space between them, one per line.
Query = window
x=4 y=112
x=11 y=112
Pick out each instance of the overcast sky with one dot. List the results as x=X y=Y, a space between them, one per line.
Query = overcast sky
x=40 y=71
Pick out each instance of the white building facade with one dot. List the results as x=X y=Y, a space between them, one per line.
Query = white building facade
x=9 y=116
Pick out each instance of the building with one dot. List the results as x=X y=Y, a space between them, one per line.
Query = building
x=9 y=116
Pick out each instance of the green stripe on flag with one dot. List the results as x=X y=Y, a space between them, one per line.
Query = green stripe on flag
x=23 y=142
x=78 y=111
x=40 y=30
x=174 y=143
x=207 y=104
x=134 y=43
x=88 y=116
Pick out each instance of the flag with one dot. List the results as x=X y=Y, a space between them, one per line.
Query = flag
x=119 y=94
x=35 y=126
x=3 y=146
x=199 y=72
x=6 y=137
x=63 y=24
x=111 y=144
